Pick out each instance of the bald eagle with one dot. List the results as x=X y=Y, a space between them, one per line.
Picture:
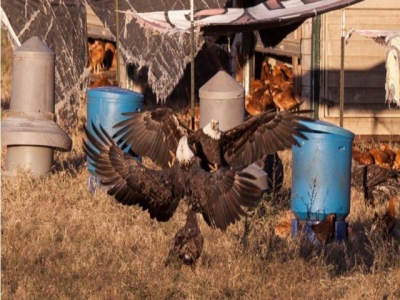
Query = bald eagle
x=221 y=197
x=155 y=133
x=188 y=242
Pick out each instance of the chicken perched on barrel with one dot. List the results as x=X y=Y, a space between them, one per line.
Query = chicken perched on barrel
x=156 y=133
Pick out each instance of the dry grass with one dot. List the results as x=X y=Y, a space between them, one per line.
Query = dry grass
x=60 y=242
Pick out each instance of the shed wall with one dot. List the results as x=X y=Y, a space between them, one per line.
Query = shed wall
x=365 y=111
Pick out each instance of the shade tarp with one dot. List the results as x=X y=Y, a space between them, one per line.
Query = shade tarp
x=164 y=54
x=267 y=13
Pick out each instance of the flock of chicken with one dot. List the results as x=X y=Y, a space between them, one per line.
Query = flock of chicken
x=102 y=57
x=274 y=90
x=384 y=157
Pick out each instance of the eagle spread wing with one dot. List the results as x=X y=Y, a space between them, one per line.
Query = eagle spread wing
x=130 y=182
x=152 y=133
x=224 y=196
x=263 y=134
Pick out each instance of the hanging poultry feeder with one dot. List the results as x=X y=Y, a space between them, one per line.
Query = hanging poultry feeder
x=321 y=176
x=30 y=131
x=222 y=99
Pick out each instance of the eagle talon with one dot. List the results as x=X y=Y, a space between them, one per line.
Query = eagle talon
x=213 y=168
x=173 y=156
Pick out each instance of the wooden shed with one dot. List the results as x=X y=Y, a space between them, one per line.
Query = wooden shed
x=365 y=112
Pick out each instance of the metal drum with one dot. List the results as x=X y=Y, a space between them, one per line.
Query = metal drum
x=105 y=106
x=321 y=174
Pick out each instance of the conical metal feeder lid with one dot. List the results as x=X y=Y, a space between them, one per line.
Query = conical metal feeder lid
x=35 y=129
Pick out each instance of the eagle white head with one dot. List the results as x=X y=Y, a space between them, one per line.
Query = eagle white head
x=212 y=129
x=183 y=153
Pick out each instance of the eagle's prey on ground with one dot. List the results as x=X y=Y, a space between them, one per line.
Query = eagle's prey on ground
x=155 y=133
x=221 y=197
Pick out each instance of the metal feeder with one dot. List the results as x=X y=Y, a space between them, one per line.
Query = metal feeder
x=30 y=131
x=222 y=99
x=321 y=176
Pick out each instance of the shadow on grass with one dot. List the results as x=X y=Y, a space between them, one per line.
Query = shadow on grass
x=71 y=164
x=370 y=252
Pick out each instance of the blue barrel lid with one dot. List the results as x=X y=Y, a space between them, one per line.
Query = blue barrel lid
x=322 y=126
x=113 y=92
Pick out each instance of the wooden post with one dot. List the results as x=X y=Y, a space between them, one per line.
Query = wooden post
x=117 y=40
x=192 y=86
x=342 y=44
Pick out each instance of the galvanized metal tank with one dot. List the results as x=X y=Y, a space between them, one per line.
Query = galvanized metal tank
x=321 y=173
x=30 y=131
x=105 y=106
x=222 y=99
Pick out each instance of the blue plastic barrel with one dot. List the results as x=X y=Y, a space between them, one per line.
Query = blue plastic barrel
x=321 y=172
x=105 y=106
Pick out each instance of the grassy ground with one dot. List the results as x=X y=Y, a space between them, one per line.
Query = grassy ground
x=61 y=242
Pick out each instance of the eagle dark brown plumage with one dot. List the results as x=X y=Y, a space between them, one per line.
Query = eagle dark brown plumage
x=155 y=133
x=371 y=178
x=188 y=242
x=222 y=197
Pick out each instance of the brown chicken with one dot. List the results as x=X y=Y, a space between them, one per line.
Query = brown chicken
x=387 y=222
x=354 y=235
x=256 y=84
x=285 y=99
x=381 y=158
x=362 y=158
x=266 y=76
x=188 y=242
x=284 y=228
x=392 y=155
x=259 y=98
x=96 y=56
x=253 y=107
x=287 y=71
x=396 y=164
x=324 y=230
x=111 y=55
x=282 y=73
x=102 y=81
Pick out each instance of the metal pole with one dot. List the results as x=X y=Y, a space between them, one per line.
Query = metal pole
x=117 y=39
x=192 y=61
x=341 y=99
x=315 y=65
